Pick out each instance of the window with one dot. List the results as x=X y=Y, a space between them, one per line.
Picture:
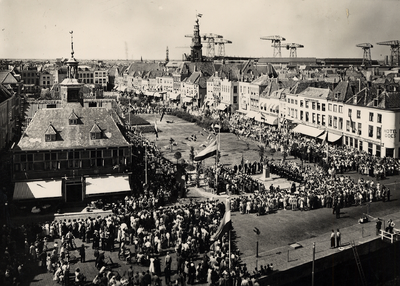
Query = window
x=313 y=118
x=301 y=115
x=330 y=107
x=334 y=122
x=301 y=103
x=50 y=137
x=318 y=119
x=313 y=105
x=307 y=116
x=334 y=108
x=358 y=114
x=359 y=128
x=378 y=133
x=371 y=116
x=323 y=106
x=378 y=150
x=370 y=148
x=323 y=120
x=379 y=118
x=340 y=108
x=95 y=135
x=350 y=113
x=318 y=106
x=361 y=146
x=330 y=120
x=306 y=104
x=355 y=143
x=346 y=140
x=370 y=131
x=351 y=141
x=347 y=125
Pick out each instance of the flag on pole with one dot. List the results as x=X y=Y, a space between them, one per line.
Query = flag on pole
x=209 y=151
x=325 y=138
x=155 y=129
x=162 y=115
x=225 y=224
x=352 y=125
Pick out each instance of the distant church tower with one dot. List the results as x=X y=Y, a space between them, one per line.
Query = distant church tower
x=167 y=55
x=196 y=45
x=70 y=87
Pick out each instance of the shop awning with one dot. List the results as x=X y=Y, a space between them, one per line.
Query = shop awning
x=121 y=88
x=108 y=184
x=269 y=119
x=188 y=100
x=254 y=115
x=149 y=93
x=308 y=130
x=331 y=137
x=37 y=190
x=174 y=96
x=221 y=106
x=157 y=94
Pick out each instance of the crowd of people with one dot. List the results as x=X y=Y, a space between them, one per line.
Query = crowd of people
x=145 y=236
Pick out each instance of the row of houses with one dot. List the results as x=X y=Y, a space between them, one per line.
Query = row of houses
x=358 y=108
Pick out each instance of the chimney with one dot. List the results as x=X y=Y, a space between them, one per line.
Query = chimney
x=355 y=99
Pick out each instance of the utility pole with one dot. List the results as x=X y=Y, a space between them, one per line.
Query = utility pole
x=313 y=264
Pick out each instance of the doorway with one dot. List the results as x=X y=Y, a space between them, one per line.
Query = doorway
x=73 y=192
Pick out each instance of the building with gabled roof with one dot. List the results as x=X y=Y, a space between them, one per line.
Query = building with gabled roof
x=71 y=152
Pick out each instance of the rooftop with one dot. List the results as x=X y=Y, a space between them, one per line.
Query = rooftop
x=71 y=136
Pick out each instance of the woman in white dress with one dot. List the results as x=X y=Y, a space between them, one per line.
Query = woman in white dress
x=151 y=267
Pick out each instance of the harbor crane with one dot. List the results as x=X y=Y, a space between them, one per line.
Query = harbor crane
x=221 y=46
x=367 y=53
x=276 y=44
x=293 y=49
x=394 y=50
x=209 y=40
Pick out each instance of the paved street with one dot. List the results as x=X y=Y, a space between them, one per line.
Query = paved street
x=278 y=230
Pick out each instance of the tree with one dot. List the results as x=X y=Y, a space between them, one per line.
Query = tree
x=171 y=142
x=191 y=154
x=261 y=152
x=177 y=156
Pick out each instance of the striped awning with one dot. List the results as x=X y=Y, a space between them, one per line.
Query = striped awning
x=308 y=130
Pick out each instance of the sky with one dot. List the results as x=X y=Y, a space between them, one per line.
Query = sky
x=134 y=29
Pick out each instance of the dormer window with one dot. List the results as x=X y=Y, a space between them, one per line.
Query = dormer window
x=95 y=132
x=73 y=118
x=50 y=134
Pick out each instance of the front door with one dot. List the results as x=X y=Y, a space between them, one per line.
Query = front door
x=73 y=192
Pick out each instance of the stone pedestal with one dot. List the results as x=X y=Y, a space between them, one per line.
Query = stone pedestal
x=266 y=172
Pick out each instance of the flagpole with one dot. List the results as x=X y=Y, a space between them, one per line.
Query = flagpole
x=216 y=159
x=230 y=265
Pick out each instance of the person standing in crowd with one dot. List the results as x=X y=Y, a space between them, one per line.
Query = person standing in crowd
x=378 y=226
x=82 y=253
x=338 y=238
x=333 y=239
